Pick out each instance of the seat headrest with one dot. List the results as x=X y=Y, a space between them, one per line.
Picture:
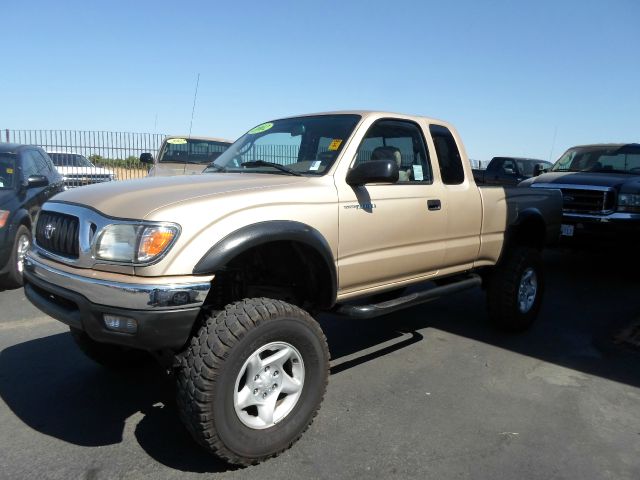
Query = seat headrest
x=387 y=153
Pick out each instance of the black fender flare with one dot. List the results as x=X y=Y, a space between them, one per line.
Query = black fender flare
x=525 y=216
x=260 y=233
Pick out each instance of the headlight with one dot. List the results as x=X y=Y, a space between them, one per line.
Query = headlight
x=629 y=202
x=134 y=243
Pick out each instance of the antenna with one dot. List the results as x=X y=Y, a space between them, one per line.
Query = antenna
x=193 y=109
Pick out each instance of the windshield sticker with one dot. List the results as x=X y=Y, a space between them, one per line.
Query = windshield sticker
x=417 y=173
x=177 y=141
x=315 y=166
x=335 y=144
x=10 y=170
x=260 y=128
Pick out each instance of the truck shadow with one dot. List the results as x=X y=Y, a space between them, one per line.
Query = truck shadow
x=54 y=389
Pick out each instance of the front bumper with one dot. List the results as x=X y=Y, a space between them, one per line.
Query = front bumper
x=164 y=312
x=619 y=227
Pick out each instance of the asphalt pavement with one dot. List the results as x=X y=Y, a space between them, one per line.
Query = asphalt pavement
x=430 y=392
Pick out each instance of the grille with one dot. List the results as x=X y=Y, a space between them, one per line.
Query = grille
x=587 y=201
x=80 y=180
x=62 y=233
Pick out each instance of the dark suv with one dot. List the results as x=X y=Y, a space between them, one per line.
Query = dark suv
x=601 y=192
x=28 y=178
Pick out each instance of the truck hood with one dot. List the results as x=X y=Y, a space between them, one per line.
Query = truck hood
x=613 y=180
x=136 y=199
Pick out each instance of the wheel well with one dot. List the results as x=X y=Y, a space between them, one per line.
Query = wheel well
x=291 y=271
x=531 y=232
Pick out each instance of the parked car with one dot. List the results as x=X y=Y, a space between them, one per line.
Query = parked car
x=601 y=191
x=219 y=274
x=509 y=170
x=77 y=170
x=184 y=155
x=28 y=178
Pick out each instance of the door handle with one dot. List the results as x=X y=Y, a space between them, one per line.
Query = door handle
x=434 y=205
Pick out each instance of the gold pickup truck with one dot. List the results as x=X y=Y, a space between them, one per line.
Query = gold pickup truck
x=220 y=275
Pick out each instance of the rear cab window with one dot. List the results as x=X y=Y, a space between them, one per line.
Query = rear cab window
x=449 y=159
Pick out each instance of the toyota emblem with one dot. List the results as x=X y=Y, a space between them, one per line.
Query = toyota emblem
x=48 y=231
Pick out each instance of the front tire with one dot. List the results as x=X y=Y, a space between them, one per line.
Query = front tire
x=21 y=245
x=252 y=379
x=514 y=293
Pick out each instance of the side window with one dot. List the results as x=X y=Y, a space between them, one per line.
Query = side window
x=48 y=167
x=449 y=159
x=495 y=166
x=401 y=141
x=30 y=164
x=509 y=167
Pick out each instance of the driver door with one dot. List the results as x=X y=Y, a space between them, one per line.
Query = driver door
x=391 y=233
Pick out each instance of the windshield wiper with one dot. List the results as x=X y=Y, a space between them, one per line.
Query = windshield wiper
x=264 y=163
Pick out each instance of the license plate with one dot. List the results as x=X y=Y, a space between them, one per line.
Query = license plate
x=567 y=230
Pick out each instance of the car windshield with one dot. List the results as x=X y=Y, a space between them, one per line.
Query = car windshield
x=7 y=172
x=183 y=150
x=297 y=146
x=69 y=160
x=613 y=159
x=526 y=166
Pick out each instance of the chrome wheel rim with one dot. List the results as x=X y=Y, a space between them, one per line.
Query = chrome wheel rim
x=527 y=290
x=24 y=242
x=268 y=385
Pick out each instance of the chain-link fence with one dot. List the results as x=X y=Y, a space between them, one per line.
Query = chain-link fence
x=84 y=157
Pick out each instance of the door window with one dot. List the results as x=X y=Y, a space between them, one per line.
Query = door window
x=31 y=164
x=402 y=142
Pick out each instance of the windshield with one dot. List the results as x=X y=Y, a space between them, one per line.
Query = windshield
x=7 y=172
x=183 y=150
x=614 y=159
x=69 y=160
x=526 y=166
x=301 y=145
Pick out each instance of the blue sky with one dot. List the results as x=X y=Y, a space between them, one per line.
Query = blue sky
x=510 y=75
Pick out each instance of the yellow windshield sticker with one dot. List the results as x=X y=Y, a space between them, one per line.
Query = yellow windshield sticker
x=10 y=170
x=335 y=144
x=177 y=141
x=261 y=128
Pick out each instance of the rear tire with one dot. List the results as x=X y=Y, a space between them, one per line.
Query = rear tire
x=252 y=379
x=516 y=286
x=112 y=357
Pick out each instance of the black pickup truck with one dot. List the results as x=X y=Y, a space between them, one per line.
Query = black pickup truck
x=601 y=192
x=509 y=171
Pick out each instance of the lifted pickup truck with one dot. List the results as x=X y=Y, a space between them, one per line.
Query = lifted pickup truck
x=220 y=275
x=509 y=171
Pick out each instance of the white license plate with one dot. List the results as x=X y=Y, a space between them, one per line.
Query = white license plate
x=566 y=230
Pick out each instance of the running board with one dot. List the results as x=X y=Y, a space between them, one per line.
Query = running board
x=377 y=309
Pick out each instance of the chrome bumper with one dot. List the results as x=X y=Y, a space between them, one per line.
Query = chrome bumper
x=164 y=295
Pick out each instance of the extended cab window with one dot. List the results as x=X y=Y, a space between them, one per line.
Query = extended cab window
x=400 y=141
x=449 y=158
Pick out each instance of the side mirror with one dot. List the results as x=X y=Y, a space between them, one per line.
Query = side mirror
x=539 y=169
x=37 y=181
x=146 y=157
x=375 y=171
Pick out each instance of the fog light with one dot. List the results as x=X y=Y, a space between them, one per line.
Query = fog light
x=120 y=324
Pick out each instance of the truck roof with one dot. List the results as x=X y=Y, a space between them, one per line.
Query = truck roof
x=373 y=113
